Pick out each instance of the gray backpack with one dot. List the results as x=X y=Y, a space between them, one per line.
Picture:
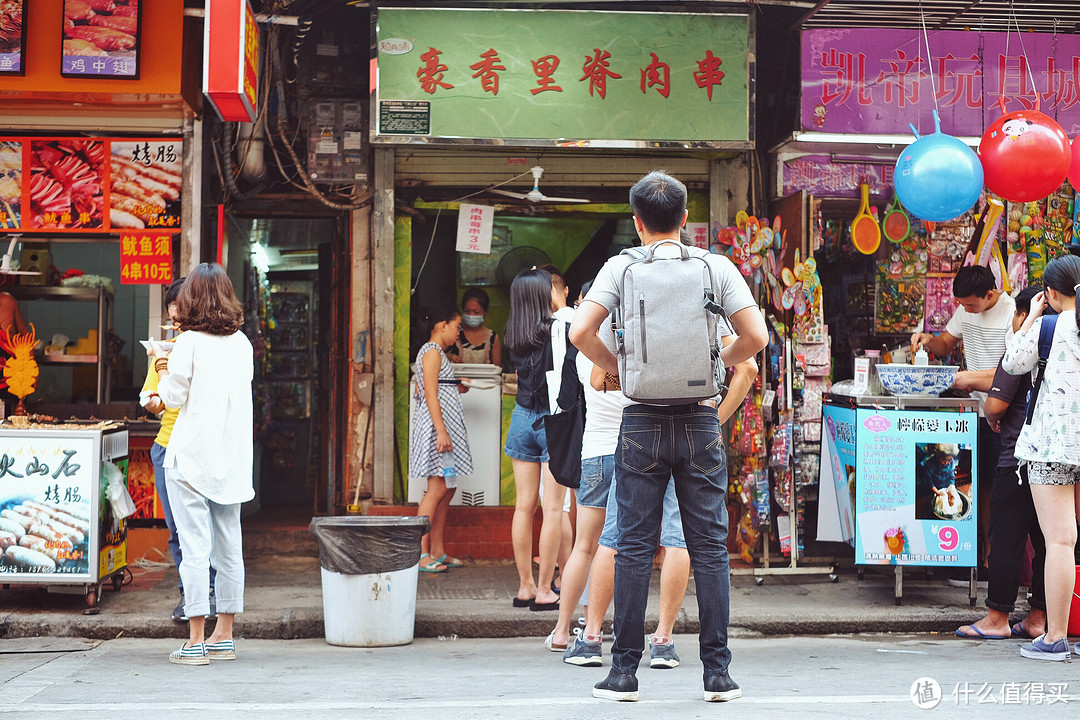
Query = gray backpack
x=665 y=328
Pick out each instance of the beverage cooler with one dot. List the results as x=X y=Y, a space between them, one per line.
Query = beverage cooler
x=57 y=525
x=483 y=422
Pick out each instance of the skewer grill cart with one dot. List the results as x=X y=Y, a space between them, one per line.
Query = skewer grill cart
x=57 y=526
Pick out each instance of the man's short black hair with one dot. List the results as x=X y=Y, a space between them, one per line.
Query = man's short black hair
x=1023 y=298
x=973 y=281
x=659 y=202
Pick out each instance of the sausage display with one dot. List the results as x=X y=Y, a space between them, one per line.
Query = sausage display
x=23 y=559
x=7 y=539
x=33 y=530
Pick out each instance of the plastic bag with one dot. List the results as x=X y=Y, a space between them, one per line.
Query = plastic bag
x=368 y=544
x=116 y=491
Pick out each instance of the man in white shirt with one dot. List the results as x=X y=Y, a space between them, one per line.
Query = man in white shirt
x=984 y=321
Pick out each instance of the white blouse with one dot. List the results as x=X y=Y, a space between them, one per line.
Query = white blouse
x=211 y=446
x=1054 y=433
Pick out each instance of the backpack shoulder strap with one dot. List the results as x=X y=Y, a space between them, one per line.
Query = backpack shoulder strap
x=1046 y=341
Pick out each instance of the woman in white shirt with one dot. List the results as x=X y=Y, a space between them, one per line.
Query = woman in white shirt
x=1050 y=444
x=208 y=463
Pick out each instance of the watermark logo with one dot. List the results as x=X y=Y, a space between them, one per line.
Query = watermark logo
x=925 y=693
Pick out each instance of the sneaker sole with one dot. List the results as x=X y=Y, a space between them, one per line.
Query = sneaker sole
x=190 y=661
x=584 y=662
x=615 y=695
x=1052 y=657
x=723 y=696
x=663 y=663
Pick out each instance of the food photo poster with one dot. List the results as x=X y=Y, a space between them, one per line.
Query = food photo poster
x=101 y=39
x=13 y=37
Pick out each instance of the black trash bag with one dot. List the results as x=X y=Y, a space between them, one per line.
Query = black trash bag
x=368 y=544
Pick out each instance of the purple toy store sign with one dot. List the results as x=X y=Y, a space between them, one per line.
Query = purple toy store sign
x=878 y=80
x=820 y=176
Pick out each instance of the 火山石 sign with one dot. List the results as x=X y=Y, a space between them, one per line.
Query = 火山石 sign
x=474 y=228
x=878 y=80
x=46 y=485
x=231 y=59
x=101 y=39
x=146 y=258
x=916 y=480
x=618 y=78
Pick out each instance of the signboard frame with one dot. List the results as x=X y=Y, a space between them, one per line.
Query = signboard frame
x=413 y=135
x=66 y=68
x=231 y=60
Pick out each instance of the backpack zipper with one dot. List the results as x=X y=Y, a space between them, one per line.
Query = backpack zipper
x=641 y=319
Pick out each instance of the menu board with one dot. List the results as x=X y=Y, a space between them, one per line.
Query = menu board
x=46 y=485
x=90 y=185
x=101 y=39
x=916 y=479
x=146 y=258
x=12 y=36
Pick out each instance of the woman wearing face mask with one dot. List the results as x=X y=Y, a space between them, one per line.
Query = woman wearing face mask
x=477 y=343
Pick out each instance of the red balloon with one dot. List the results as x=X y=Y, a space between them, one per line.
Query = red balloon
x=1074 y=173
x=1025 y=156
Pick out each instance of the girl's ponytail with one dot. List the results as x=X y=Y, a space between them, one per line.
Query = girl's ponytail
x=1063 y=274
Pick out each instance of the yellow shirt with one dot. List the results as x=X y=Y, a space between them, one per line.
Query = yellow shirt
x=168 y=418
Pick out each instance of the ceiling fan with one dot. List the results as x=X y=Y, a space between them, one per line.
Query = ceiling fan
x=535 y=195
x=5 y=264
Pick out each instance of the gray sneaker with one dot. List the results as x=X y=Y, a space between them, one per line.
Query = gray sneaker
x=663 y=654
x=583 y=653
x=178 y=613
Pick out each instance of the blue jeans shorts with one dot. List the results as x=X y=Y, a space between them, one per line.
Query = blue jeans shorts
x=597 y=474
x=671 y=532
x=523 y=441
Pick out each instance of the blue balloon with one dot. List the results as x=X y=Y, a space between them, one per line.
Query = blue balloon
x=938 y=177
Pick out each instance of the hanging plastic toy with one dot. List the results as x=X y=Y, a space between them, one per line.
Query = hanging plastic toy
x=938 y=177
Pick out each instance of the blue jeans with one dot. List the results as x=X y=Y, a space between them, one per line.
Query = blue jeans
x=525 y=441
x=656 y=444
x=671 y=532
x=157 y=456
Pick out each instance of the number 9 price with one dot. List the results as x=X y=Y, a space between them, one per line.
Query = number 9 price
x=948 y=538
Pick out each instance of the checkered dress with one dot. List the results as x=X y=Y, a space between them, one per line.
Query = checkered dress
x=424 y=460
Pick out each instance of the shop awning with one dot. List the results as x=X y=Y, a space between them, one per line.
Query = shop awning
x=990 y=15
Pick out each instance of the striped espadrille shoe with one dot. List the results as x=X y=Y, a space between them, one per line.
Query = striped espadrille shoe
x=221 y=650
x=190 y=655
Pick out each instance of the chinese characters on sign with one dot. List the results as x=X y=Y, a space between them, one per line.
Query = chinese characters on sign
x=474 y=228
x=101 y=39
x=879 y=80
x=616 y=76
x=915 y=481
x=699 y=234
x=45 y=487
x=146 y=258
x=820 y=176
x=145 y=181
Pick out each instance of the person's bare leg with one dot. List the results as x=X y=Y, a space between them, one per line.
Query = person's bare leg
x=438 y=537
x=429 y=505
x=1056 y=508
x=590 y=523
x=196 y=630
x=223 y=630
x=674 y=577
x=527 y=487
x=566 y=544
x=550 y=536
x=601 y=590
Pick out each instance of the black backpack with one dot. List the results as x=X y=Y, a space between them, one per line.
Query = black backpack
x=1046 y=339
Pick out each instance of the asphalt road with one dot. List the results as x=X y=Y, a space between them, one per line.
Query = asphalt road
x=806 y=677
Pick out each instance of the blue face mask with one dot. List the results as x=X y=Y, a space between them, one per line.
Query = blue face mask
x=473 y=320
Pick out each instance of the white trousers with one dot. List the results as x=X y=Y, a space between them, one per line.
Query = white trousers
x=208 y=533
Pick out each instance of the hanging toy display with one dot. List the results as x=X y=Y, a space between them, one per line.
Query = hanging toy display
x=1074 y=165
x=865 y=231
x=937 y=177
x=752 y=244
x=896 y=224
x=1025 y=155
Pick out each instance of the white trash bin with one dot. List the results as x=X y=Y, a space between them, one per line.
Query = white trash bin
x=369 y=598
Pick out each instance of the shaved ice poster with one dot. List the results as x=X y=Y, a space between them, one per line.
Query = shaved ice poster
x=916 y=482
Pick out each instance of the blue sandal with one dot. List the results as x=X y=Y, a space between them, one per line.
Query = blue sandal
x=450 y=562
x=435 y=566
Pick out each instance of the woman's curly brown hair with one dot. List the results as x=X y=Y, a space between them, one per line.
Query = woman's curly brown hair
x=207 y=302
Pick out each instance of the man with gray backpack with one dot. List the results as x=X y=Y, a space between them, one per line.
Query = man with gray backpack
x=665 y=300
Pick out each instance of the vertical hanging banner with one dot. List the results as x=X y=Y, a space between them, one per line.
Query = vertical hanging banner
x=231 y=59
x=146 y=258
x=474 y=228
x=13 y=37
x=699 y=234
x=101 y=39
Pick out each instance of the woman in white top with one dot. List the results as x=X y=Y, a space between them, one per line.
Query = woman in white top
x=208 y=463
x=1050 y=444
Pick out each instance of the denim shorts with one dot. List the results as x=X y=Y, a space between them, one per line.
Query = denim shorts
x=596 y=476
x=671 y=532
x=523 y=441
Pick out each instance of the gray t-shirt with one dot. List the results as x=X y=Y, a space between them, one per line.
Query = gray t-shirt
x=734 y=293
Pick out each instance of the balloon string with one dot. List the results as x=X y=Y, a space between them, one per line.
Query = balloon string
x=1027 y=62
x=929 y=57
x=1008 y=30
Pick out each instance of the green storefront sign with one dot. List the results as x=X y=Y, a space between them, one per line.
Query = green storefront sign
x=558 y=77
